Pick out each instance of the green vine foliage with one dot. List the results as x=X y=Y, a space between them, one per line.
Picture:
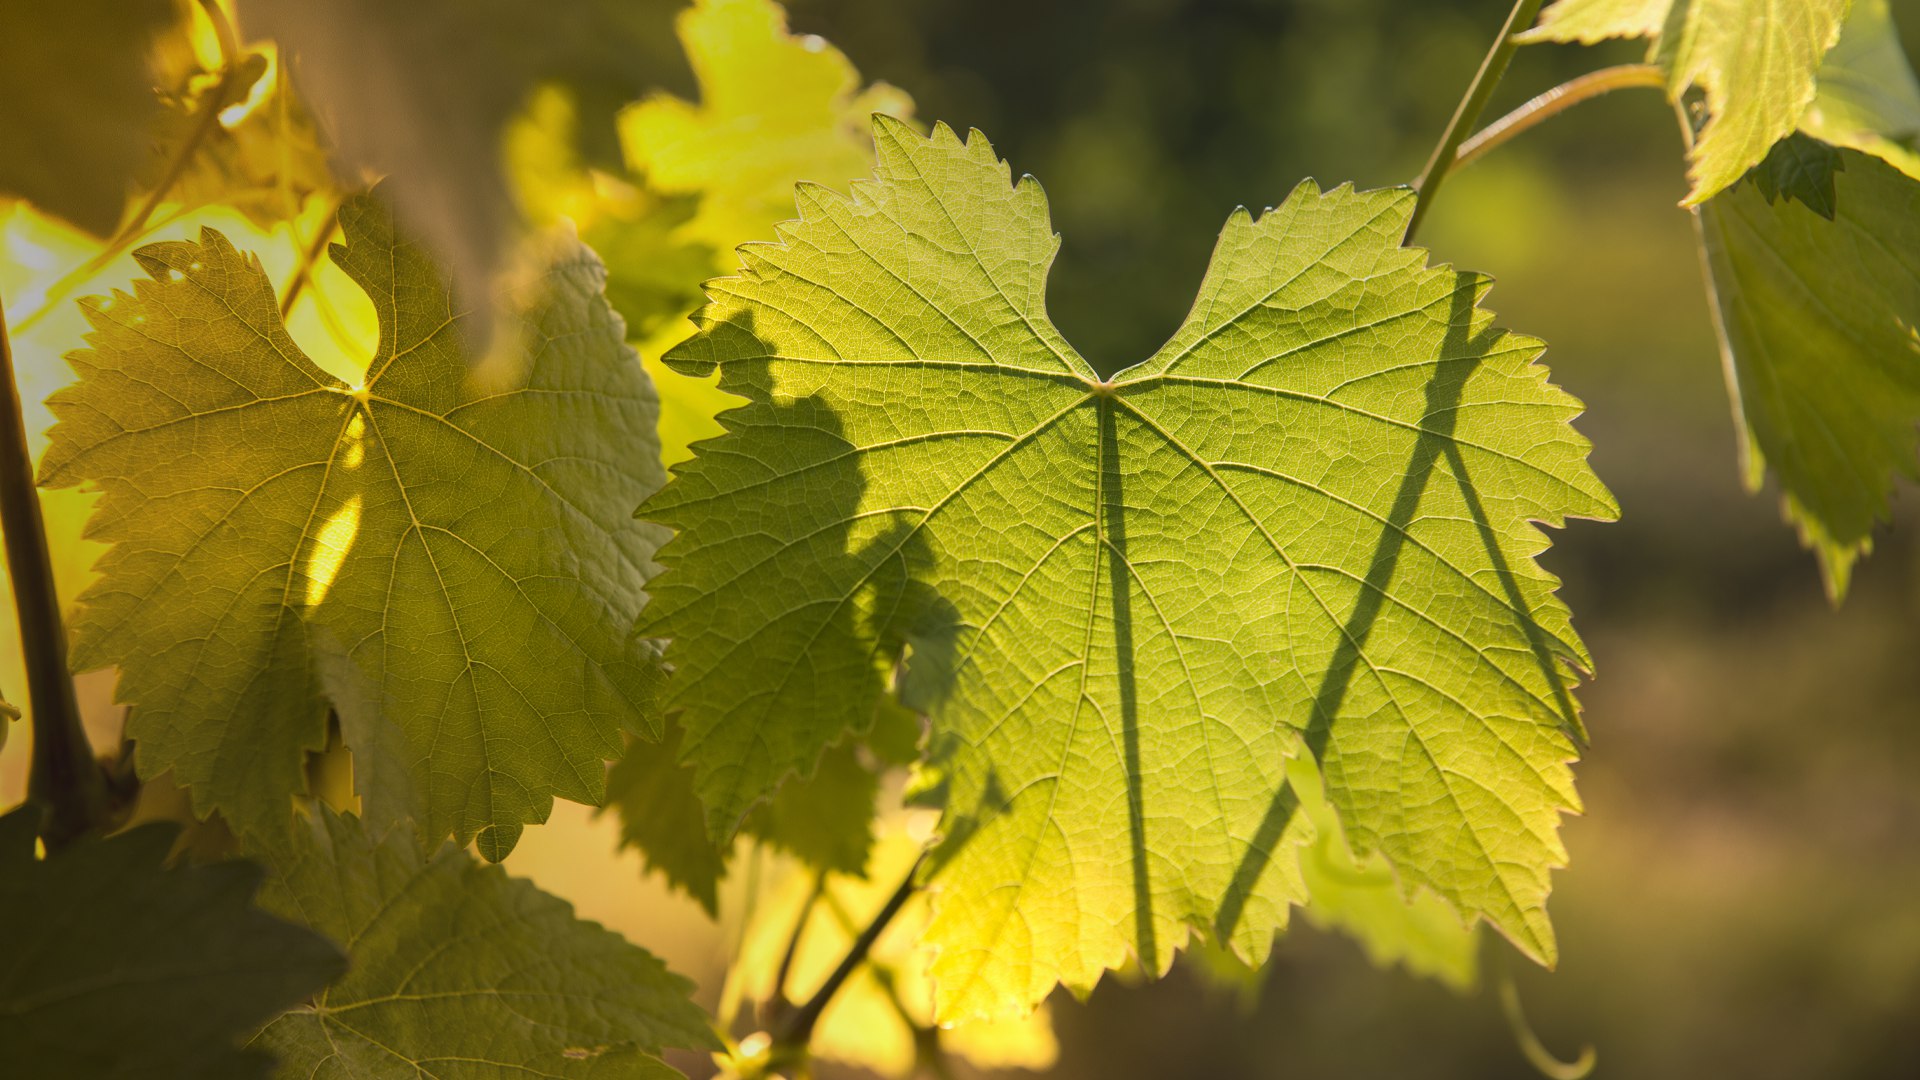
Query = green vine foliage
x=1020 y=670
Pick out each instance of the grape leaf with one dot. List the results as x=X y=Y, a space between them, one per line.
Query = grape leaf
x=1304 y=524
x=1755 y=60
x=882 y=1017
x=77 y=78
x=826 y=821
x=462 y=971
x=1816 y=321
x=1868 y=97
x=179 y=960
x=449 y=553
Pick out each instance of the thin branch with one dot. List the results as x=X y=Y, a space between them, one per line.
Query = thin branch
x=797 y=1027
x=223 y=29
x=1531 y=1048
x=309 y=258
x=1471 y=106
x=780 y=1001
x=1554 y=102
x=63 y=775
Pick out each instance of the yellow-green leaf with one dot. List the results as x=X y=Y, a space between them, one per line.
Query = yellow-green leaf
x=446 y=550
x=1304 y=526
x=1754 y=59
x=1816 y=320
x=1868 y=97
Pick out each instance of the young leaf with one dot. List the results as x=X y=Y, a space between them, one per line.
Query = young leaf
x=178 y=960
x=1303 y=525
x=1755 y=60
x=1869 y=98
x=462 y=543
x=774 y=109
x=461 y=971
x=1816 y=321
x=77 y=78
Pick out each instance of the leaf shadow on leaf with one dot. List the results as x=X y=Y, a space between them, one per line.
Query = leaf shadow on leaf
x=860 y=636
x=1113 y=483
x=1444 y=393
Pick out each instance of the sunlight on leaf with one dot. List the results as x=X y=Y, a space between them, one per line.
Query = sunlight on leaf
x=1304 y=525
x=496 y=648
x=873 y=1020
x=1754 y=59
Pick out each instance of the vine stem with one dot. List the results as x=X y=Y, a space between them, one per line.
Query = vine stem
x=309 y=258
x=792 y=950
x=63 y=775
x=1445 y=155
x=1556 y=101
x=796 y=1029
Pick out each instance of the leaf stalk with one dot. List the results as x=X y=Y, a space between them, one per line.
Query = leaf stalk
x=1492 y=69
x=796 y=1029
x=1552 y=103
x=63 y=775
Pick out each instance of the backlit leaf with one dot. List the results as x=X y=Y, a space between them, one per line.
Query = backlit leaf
x=1303 y=526
x=1754 y=59
x=1817 y=323
x=447 y=551
x=1869 y=98
x=882 y=1018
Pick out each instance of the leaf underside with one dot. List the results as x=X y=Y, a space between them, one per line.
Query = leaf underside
x=444 y=555
x=1817 y=325
x=1304 y=525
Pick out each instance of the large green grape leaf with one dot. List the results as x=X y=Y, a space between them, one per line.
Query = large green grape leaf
x=1304 y=525
x=1816 y=320
x=78 y=82
x=177 y=962
x=448 y=550
x=1755 y=60
x=460 y=971
x=1868 y=97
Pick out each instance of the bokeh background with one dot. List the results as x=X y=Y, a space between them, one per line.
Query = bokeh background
x=1744 y=891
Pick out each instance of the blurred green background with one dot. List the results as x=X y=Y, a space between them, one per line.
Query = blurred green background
x=1744 y=894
